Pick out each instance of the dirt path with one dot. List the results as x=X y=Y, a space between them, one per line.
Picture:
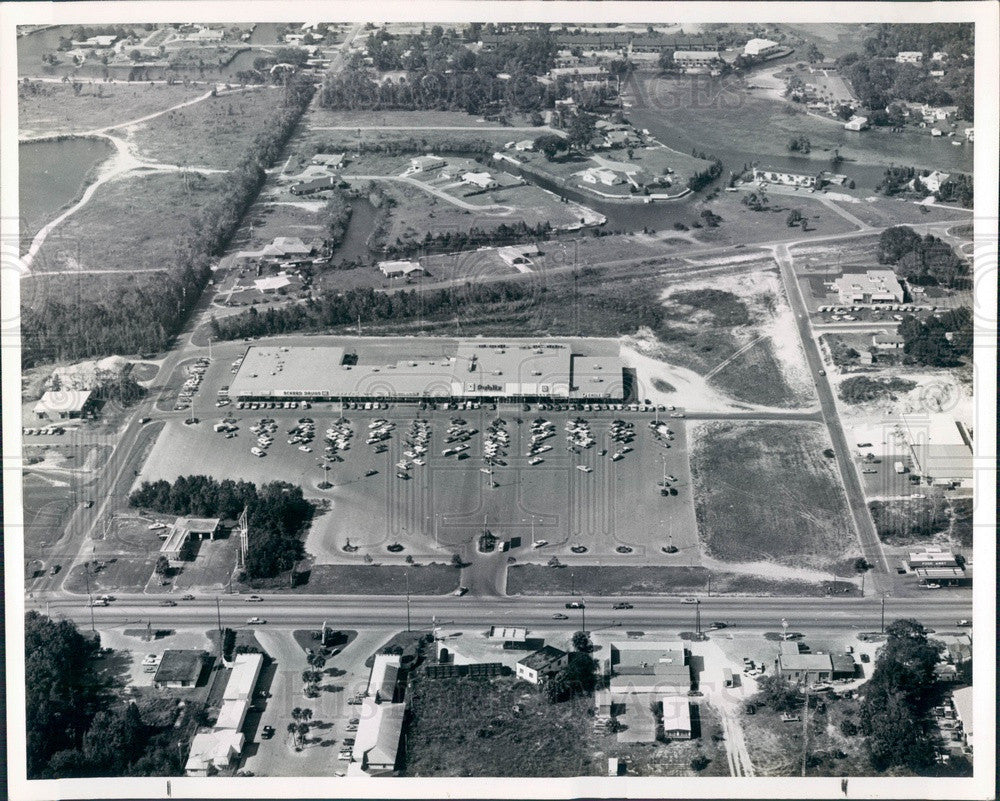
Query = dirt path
x=728 y=701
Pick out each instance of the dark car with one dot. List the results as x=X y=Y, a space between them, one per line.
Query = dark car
x=718 y=624
x=55 y=569
x=560 y=616
x=622 y=605
x=267 y=733
x=865 y=658
x=168 y=603
x=575 y=605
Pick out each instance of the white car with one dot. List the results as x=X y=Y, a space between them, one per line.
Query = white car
x=305 y=449
x=536 y=460
x=584 y=469
x=539 y=543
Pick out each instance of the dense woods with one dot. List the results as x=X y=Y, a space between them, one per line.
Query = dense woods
x=133 y=317
x=277 y=514
x=922 y=260
x=332 y=309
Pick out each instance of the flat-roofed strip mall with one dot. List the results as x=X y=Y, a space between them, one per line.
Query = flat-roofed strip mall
x=467 y=369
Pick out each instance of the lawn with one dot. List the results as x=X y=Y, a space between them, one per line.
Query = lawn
x=58 y=108
x=645 y=580
x=495 y=727
x=138 y=222
x=214 y=133
x=431 y=579
x=766 y=492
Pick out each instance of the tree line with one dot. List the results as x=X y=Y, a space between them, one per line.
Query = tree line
x=925 y=341
x=475 y=237
x=277 y=514
x=922 y=260
x=145 y=317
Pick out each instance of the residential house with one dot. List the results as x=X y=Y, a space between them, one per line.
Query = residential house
x=400 y=269
x=333 y=161
x=212 y=751
x=805 y=668
x=933 y=181
x=909 y=57
x=481 y=179
x=697 y=61
x=524 y=144
x=315 y=185
x=772 y=176
x=676 y=711
x=426 y=163
x=856 y=123
x=602 y=176
x=540 y=665
x=883 y=340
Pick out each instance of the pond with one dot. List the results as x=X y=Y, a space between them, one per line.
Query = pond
x=52 y=176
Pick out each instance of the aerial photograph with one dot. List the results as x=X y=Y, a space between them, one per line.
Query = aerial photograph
x=483 y=399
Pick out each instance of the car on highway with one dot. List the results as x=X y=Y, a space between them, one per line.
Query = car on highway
x=188 y=597
x=168 y=602
x=267 y=733
x=622 y=605
x=254 y=599
x=964 y=623
x=560 y=616
x=689 y=601
x=575 y=605
x=255 y=621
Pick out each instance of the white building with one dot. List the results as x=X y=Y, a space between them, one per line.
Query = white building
x=856 y=123
x=677 y=717
x=934 y=180
x=939 y=55
x=872 y=286
x=601 y=176
x=333 y=161
x=64 y=405
x=243 y=679
x=481 y=179
x=760 y=48
x=426 y=163
x=524 y=144
x=883 y=340
x=909 y=57
x=400 y=269
x=212 y=751
x=693 y=61
x=541 y=664
x=376 y=742
x=770 y=176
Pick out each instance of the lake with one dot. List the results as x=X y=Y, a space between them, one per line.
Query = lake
x=52 y=175
x=722 y=118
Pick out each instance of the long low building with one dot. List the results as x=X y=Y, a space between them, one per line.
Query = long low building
x=474 y=370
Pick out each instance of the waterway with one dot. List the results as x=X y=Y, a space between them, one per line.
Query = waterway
x=53 y=175
x=354 y=247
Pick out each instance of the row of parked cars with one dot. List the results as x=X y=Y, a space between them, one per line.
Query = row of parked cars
x=44 y=431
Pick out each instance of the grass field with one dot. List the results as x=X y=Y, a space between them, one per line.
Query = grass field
x=767 y=492
x=740 y=224
x=134 y=223
x=495 y=727
x=646 y=580
x=214 y=133
x=439 y=579
x=57 y=108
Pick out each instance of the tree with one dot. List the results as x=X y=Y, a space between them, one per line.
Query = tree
x=581 y=130
x=775 y=691
x=550 y=145
x=794 y=218
x=135 y=55
x=456 y=560
x=894 y=243
x=582 y=643
x=162 y=566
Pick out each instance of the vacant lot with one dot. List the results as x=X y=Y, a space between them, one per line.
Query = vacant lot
x=214 y=133
x=58 y=108
x=381 y=580
x=767 y=492
x=139 y=222
x=495 y=727
x=936 y=520
x=646 y=580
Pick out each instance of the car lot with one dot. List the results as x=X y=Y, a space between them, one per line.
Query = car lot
x=577 y=480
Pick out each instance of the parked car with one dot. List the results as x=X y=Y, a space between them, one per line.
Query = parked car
x=267 y=733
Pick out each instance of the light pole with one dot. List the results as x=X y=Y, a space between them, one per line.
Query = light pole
x=90 y=598
x=697 y=616
x=407 y=575
x=583 y=616
x=882 y=628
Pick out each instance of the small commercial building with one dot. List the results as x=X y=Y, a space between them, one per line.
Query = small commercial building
x=233 y=714
x=540 y=665
x=805 y=668
x=760 y=48
x=243 y=679
x=654 y=668
x=212 y=751
x=508 y=635
x=872 y=287
x=885 y=340
x=909 y=57
x=377 y=740
x=179 y=669
x=384 y=679
x=71 y=404
x=941 y=449
x=677 y=717
x=187 y=528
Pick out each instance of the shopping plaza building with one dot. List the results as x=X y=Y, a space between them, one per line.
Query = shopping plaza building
x=468 y=370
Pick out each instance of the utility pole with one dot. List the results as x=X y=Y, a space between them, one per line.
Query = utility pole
x=218 y=616
x=583 y=615
x=90 y=598
x=882 y=629
x=697 y=616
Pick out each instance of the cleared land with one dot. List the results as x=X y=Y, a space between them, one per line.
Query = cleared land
x=122 y=229
x=432 y=579
x=58 y=108
x=495 y=727
x=214 y=133
x=767 y=492
x=938 y=520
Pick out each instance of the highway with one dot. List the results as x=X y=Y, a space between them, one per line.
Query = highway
x=655 y=612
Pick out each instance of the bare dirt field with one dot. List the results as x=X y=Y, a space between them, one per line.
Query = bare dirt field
x=768 y=492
